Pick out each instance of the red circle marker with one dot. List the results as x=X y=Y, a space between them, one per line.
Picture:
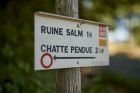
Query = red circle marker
x=43 y=64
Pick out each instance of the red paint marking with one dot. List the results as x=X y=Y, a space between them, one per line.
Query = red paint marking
x=43 y=64
x=102 y=30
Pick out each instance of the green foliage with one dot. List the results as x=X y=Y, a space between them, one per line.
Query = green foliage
x=109 y=81
x=110 y=11
x=136 y=33
x=17 y=73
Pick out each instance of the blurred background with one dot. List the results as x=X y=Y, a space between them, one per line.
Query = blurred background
x=17 y=73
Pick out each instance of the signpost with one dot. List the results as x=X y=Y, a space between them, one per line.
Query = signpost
x=64 y=42
x=68 y=80
x=69 y=43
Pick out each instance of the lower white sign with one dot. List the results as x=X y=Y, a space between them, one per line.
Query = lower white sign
x=64 y=42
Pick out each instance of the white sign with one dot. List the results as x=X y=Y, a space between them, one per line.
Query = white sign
x=64 y=42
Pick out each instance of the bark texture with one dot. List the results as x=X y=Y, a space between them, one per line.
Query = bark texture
x=68 y=80
x=67 y=8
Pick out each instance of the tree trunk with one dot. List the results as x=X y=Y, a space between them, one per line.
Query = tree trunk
x=68 y=80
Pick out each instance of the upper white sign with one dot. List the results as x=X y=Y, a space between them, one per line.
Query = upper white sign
x=64 y=42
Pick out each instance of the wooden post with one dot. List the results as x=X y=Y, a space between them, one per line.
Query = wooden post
x=68 y=80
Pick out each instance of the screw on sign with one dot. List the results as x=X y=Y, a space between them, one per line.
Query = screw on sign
x=42 y=60
x=102 y=30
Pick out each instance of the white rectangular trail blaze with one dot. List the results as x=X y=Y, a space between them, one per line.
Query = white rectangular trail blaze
x=64 y=42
